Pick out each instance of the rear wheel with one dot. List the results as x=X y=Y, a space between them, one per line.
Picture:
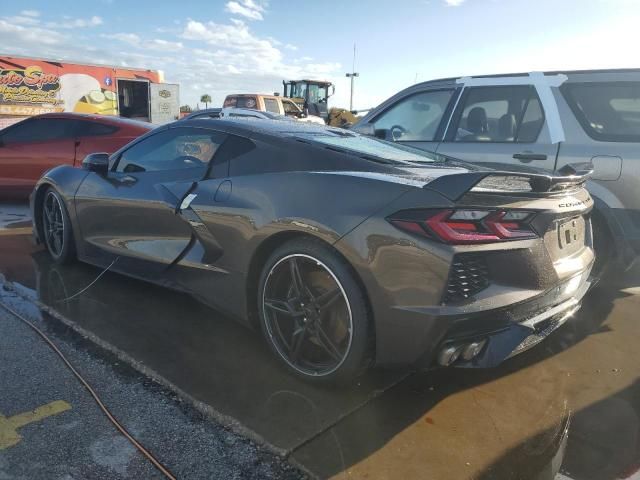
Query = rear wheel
x=56 y=227
x=603 y=246
x=314 y=314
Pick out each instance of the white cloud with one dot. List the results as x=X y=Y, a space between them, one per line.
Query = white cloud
x=18 y=35
x=69 y=23
x=164 y=45
x=30 y=13
x=246 y=8
x=291 y=47
x=236 y=39
x=130 y=38
x=22 y=20
x=454 y=3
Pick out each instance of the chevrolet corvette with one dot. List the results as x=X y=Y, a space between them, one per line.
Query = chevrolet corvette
x=345 y=251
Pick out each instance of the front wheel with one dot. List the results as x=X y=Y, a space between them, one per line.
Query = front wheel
x=314 y=314
x=56 y=228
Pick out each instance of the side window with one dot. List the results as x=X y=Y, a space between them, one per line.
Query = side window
x=271 y=105
x=289 y=107
x=94 y=129
x=415 y=118
x=173 y=149
x=609 y=111
x=40 y=130
x=498 y=114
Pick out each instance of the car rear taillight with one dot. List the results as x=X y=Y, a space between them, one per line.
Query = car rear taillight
x=466 y=226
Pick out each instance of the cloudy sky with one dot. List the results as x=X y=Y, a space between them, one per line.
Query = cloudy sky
x=220 y=47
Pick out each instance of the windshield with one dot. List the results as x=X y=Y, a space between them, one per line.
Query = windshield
x=317 y=93
x=373 y=147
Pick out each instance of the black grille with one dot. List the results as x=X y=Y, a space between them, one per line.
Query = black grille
x=468 y=275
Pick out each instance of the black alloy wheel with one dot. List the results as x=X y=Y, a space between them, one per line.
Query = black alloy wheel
x=308 y=318
x=56 y=227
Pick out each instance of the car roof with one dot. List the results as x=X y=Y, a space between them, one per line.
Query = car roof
x=249 y=127
x=98 y=118
x=204 y=111
x=261 y=95
x=524 y=74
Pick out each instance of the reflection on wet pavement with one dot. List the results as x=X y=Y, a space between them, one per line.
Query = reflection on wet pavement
x=508 y=422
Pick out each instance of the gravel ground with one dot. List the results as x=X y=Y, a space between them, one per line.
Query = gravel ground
x=80 y=442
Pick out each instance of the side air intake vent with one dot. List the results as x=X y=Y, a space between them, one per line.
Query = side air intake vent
x=469 y=275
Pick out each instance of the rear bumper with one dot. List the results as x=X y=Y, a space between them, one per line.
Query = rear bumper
x=508 y=331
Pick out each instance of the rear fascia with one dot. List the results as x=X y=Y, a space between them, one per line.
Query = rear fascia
x=406 y=275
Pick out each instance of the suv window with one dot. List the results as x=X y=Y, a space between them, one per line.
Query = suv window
x=40 y=130
x=173 y=149
x=271 y=105
x=609 y=111
x=415 y=118
x=498 y=114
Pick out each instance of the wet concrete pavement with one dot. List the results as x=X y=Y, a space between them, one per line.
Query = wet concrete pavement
x=508 y=422
x=51 y=428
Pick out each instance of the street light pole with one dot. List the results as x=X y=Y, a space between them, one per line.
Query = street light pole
x=352 y=76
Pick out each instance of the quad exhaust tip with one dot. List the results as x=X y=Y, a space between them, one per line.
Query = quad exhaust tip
x=465 y=351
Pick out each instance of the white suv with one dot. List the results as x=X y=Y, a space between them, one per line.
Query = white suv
x=544 y=120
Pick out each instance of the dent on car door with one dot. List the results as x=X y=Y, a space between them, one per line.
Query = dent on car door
x=33 y=147
x=417 y=119
x=134 y=211
x=500 y=125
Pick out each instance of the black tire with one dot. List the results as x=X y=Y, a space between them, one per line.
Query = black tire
x=604 y=248
x=56 y=228
x=340 y=305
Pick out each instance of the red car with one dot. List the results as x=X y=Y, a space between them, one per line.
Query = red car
x=33 y=146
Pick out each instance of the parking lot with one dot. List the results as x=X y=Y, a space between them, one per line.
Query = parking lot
x=207 y=398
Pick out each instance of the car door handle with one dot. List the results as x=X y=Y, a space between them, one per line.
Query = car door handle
x=128 y=179
x=526 y=157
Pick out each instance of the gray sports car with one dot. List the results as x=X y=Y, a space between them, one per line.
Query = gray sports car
x=346 y=251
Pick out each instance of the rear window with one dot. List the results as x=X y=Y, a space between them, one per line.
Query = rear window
x=241 y=102
x=609 y=111
x=375 y=148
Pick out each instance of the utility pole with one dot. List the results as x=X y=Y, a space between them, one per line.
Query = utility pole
x=352 y=76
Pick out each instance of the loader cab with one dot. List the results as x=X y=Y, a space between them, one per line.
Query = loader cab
x=311 y=95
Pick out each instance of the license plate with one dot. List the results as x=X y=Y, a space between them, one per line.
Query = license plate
x=569 y=234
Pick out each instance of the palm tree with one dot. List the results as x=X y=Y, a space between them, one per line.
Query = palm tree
x=206 y=99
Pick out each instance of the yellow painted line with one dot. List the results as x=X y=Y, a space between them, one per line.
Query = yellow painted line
x=9 y=435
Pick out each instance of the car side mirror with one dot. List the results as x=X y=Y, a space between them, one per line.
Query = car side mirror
x=365 y=129
x=96 y=162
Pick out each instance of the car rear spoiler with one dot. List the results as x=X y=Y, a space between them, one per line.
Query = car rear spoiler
x=506 y=182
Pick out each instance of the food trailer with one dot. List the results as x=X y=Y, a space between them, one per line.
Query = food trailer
x=32 y=86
